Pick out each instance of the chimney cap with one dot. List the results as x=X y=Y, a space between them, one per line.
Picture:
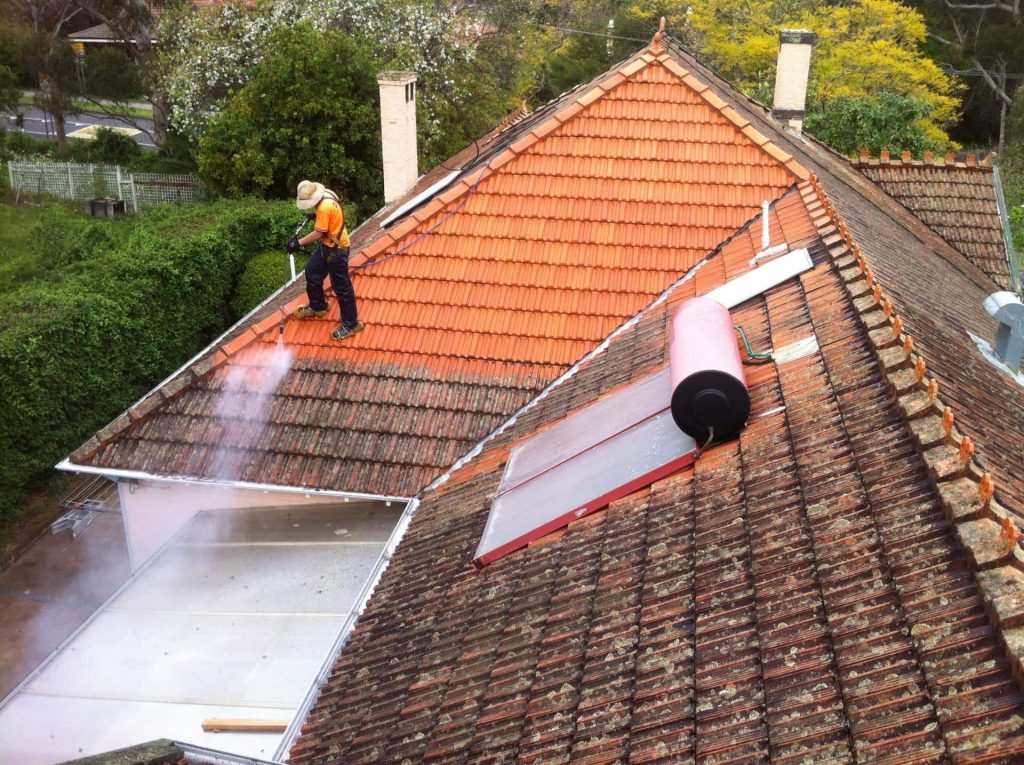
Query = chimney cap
x=1005 y=307
x=395 y=78
x=797 y=36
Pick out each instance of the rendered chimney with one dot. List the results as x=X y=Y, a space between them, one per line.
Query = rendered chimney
x=791 y=77
x=398 y=132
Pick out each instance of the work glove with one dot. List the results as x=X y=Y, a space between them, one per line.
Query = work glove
x=311 y=216
x=293 y=245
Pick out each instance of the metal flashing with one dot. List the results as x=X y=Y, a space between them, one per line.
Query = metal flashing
x=798 y=350
x=421 y=198
x=761 y=279
x=136 y=475
x=1004 y=222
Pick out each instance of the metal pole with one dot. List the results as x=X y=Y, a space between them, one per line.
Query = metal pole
x=71 y=183
x=291 y=262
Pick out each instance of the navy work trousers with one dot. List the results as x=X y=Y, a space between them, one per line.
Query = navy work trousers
x=334 y=261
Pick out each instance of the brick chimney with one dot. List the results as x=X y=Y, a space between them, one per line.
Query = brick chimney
x=398 y=132
x=791 y=77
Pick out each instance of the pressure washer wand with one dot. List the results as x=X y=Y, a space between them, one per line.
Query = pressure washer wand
x=295 y=233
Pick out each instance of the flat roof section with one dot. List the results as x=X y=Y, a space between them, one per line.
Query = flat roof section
x=233 y=619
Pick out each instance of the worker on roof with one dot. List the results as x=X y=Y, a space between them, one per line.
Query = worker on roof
x=329 y=257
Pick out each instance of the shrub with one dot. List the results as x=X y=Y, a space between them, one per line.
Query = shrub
x=886 y=121
x=263 y=274
x=308 y=111
x=135 y=298
x=113 y=148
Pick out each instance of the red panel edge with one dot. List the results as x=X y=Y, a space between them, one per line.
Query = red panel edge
x=566 y=518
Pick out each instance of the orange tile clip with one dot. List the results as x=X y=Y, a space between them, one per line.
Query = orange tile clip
x=886 y=304
x=908 y=345
x=1009 y=533
x=947 y=421
x=920 y=369
x=986 y=488
x=870 y=276
x=966 y=450
x=933 y=391
x=876 y=293
x=897 y=326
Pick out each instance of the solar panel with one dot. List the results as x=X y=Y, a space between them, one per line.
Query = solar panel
x=587 y=428
x=599 y=454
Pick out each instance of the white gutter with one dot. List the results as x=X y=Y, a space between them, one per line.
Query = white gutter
x=295 y=727
x=200 y=754
x=1004 y=222
x=138 y=475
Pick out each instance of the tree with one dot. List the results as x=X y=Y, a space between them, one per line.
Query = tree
x=472 y=69
x=984 y=42
x=37 y=29
x=866 y=49
x=9 y=91
x=308 y=110
x=1012 y=163
x=131 y=22
x=852 y=123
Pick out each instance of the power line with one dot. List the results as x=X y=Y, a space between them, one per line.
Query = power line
x=976 y=73
x=593 y=34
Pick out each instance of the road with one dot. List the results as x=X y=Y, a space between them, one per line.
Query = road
x=37 y=121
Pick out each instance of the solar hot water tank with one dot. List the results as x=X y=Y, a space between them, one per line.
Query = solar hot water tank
x=709 y=391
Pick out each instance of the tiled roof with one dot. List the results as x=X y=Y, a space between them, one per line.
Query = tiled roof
x=956 y=199
x=567 y=223
x=798 y=595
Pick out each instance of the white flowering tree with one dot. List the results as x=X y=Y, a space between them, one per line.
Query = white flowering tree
x=208 y=56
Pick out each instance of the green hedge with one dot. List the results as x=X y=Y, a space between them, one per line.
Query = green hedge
x=117 y=306
x=263 y=274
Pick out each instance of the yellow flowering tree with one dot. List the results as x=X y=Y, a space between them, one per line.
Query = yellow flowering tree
x=867 y=49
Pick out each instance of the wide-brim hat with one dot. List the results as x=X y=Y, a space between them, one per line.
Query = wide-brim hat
x=309 y=194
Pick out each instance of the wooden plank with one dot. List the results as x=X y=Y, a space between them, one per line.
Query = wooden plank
x=217 y=724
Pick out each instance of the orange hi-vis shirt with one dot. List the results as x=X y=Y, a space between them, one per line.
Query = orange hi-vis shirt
x=330 y=221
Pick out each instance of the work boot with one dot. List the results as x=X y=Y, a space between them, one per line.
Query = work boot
x=307 y=312
x=343 y=332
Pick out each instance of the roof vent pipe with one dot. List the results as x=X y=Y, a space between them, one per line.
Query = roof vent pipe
x=709 y=392
x=398 y=132
x=1007 y=309
x=765 y=235
x=791 y=76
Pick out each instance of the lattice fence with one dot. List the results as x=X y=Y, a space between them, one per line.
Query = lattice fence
x=72 y=181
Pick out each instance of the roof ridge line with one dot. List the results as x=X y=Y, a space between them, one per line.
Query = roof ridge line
x=987 y=532
x=744 y=125
x=612 y=80
x=929 y=159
